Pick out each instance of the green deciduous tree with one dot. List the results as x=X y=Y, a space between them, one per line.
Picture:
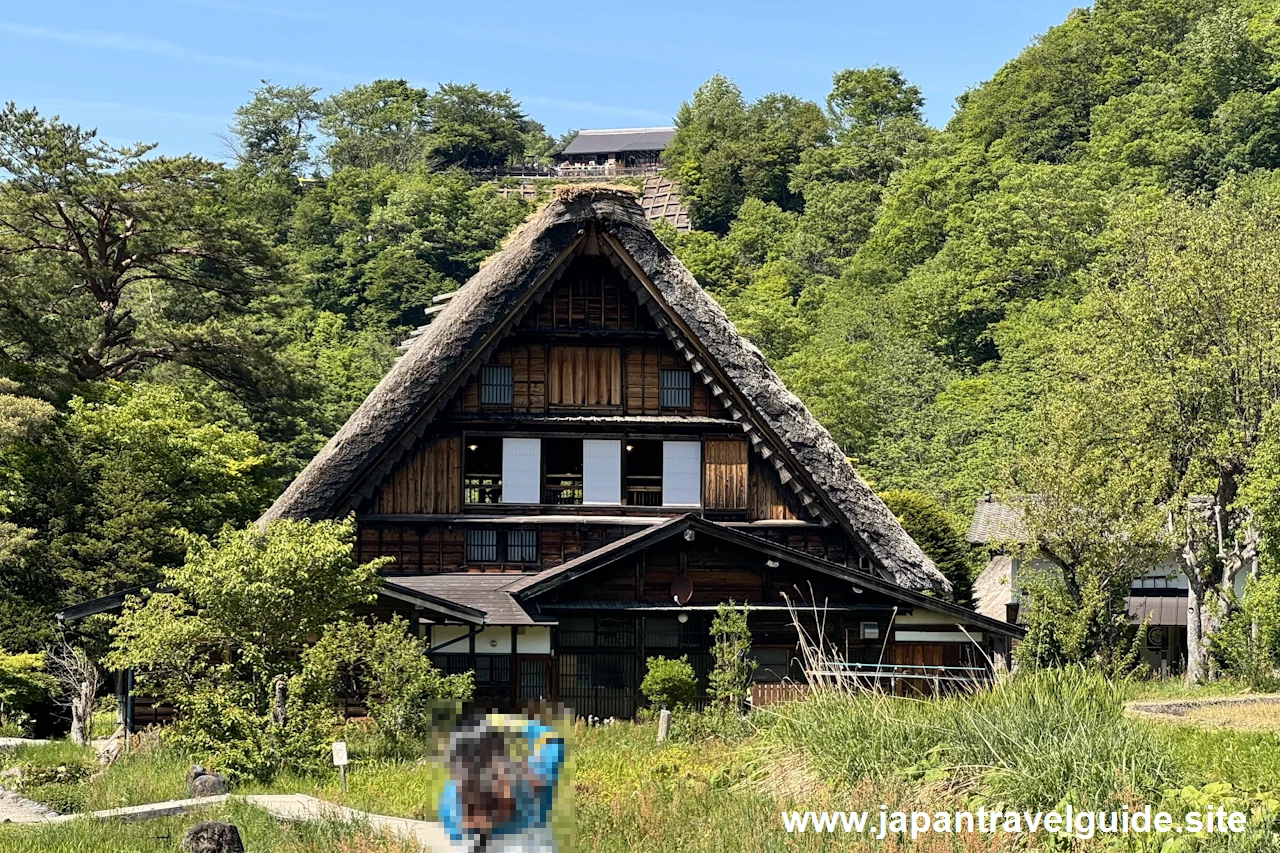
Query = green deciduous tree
x=274 y=132
x=929 y=524
x=1186 y=320
x=732 y=665
x=23 y=682
x=112 y=261
x=241 y=609
x=383 y=123
x=1092 y=526
x=475 y=129
x=147 y=461
x=388 y=668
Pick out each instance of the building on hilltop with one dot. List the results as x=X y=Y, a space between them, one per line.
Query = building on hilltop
x=620 y=151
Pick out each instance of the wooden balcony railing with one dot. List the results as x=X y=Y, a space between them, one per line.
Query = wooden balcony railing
x=644 y=491
x=481 y=489
x=562 y=489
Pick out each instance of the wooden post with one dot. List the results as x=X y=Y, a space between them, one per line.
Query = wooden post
x=664 y=723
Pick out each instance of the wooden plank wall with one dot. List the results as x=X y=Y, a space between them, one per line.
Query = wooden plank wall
x=528 y=363
x=426 y=549
x=585 y=376
x=590 y=295
x=427 y=481
x=768 y=499
x=725 y=473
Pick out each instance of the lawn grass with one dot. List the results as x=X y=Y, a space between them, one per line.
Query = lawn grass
x=259 y=831
x=1035 y=742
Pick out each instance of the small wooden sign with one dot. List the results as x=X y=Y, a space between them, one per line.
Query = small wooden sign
x=339 y=753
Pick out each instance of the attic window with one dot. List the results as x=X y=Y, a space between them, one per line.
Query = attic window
x=674 y=388
x=495 y=385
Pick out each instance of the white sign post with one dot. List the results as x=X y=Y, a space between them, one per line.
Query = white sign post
x=340 y=761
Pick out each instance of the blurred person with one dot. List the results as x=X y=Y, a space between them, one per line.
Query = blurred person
x=492 y=802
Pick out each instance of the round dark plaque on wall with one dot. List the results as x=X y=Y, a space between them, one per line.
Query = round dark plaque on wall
x=682 y=589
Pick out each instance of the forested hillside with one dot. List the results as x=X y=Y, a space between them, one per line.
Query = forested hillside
x=1070 y=290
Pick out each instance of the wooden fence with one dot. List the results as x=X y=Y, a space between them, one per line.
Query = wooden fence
x=764 y=695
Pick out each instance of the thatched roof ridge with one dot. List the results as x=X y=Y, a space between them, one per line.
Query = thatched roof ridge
x=394 y=409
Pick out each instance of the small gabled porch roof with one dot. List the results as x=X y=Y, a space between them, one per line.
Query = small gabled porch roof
x=528 y=588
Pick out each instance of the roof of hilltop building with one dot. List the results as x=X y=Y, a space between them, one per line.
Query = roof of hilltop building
x=620 y=139
x=449 y=349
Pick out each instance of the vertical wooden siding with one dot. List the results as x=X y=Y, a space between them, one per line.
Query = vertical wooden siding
x=427 y=481
x=769 y=499
x=725 y=473
x=585 y=376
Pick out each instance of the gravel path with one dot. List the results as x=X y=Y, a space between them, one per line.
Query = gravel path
x=15 y=808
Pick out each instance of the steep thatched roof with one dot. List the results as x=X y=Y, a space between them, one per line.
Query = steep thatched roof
x=396 y=413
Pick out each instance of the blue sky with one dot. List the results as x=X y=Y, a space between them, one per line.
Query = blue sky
x=173 y=71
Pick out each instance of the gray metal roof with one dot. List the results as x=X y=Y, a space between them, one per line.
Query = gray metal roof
x=620 y=139
x=1162 y=609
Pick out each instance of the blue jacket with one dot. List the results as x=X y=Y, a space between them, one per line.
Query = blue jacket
x=546 y=757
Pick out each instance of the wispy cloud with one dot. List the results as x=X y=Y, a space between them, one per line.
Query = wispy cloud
x=595 y=109
x=131 y=43
x=115 y=107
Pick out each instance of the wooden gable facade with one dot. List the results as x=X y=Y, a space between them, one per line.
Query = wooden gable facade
x=588 y=363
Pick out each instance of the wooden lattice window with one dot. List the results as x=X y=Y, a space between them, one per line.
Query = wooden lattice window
x=495 y=385
x=482 y=545
x=522 y=546
x=675 y=388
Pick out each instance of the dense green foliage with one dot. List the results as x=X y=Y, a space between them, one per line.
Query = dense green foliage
x=253 y=642
x=23 y=681
x=669 y=683
x=1069 y=290
x=931 y=527
x=732 y=665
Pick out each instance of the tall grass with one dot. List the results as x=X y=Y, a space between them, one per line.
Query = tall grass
x=1034 y=741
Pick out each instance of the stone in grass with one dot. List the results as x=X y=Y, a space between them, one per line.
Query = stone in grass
x=202 y=783
x=212 y=836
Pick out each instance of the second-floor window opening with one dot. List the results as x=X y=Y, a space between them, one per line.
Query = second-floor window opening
x=675 y=388
x=643 y=472
x=495 y=385
x=562 y=483
x=482 y=471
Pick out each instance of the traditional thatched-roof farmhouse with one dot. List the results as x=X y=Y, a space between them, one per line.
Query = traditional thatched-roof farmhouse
x=579 y=458
x=581 y=448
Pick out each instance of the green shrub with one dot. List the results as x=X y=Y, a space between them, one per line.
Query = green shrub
x=731 y=650
x=221 y=735
x=35 y=775
x=382 y=663
x=62 y=797
x=669 y=683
